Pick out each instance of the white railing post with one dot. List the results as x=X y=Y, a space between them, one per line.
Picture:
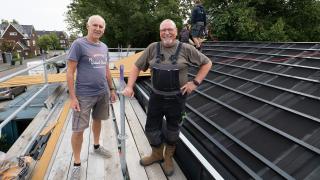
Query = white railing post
x=45 y=75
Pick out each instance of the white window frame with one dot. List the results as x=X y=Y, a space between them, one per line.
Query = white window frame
x=13 y=33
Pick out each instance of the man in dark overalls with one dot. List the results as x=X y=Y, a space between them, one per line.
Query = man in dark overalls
x=168 y=61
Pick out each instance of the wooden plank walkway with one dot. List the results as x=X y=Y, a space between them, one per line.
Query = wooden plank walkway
x=93 y=166
x=96 y=167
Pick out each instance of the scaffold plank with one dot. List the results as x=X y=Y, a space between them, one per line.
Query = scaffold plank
x=84 y=152
x=154 y=171
x=95 y=169
x=62 y=161
x=135 y=170
x=140 y=114
x=112 y=165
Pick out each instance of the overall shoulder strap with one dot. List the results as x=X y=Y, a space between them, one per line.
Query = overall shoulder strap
x=174 y=57
x=159 y=55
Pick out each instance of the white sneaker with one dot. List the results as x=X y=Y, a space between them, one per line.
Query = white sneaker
x=76 y=172
x=103 y=152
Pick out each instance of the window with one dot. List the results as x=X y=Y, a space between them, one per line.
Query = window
x=34 y=42
x=28 y=43
x=62 y=41
x=13 y=33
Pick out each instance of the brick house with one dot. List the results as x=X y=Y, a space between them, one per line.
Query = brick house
x=63 y=37
x=22 y=37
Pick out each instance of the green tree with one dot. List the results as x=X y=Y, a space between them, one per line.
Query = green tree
x=128 y=22
x=14 y=21
x=72 y=37
x=7 y=46
x=43 y=42
x=303 y=20
x=4 y=21
x=54 y=41
x=265 y=20
x=48 y=42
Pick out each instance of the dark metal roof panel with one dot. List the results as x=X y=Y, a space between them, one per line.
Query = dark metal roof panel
x=257 y=110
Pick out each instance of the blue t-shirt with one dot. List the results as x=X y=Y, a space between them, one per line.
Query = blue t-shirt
x=93 y=59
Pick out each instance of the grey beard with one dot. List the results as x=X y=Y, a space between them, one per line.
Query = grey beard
x=168 y=43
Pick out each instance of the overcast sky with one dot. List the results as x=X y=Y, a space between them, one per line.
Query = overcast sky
x=42 y=14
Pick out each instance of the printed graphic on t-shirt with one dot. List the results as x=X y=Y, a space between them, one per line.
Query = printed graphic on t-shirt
x=98 y=60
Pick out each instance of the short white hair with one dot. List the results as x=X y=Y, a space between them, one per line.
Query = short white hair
x=91 y=18
x=168 y=20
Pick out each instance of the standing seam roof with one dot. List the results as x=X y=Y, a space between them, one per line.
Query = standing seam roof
x=256 y=112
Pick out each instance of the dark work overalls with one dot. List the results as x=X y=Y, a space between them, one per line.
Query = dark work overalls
x=165 y=100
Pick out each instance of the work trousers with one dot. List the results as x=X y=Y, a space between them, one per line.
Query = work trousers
x=173 y=109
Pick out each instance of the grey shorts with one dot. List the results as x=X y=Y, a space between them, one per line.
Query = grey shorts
x=197 y=30
x=100 y=111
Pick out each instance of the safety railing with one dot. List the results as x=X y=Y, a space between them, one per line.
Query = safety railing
x=120 y=52
x=45 y=74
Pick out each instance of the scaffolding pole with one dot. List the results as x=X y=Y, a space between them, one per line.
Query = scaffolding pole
x=122 y=136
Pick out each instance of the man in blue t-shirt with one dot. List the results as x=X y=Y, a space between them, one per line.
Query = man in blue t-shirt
x=89 y=58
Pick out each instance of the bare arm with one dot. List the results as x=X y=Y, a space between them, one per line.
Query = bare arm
x=203 y=71
x=109 y=80
x=72 y=66
x=128 y=91
x=109 y=77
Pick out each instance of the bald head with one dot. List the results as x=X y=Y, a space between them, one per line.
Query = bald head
x=168 y=33
x=166 y=21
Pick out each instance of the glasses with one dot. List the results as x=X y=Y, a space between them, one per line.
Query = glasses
x=170 y=30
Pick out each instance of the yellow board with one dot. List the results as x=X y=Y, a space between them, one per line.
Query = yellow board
x=128 y=63
x=33 y=79
x=55 y=78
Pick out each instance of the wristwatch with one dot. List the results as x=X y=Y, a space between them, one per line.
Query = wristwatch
x=111 y=89
x=195 y=82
